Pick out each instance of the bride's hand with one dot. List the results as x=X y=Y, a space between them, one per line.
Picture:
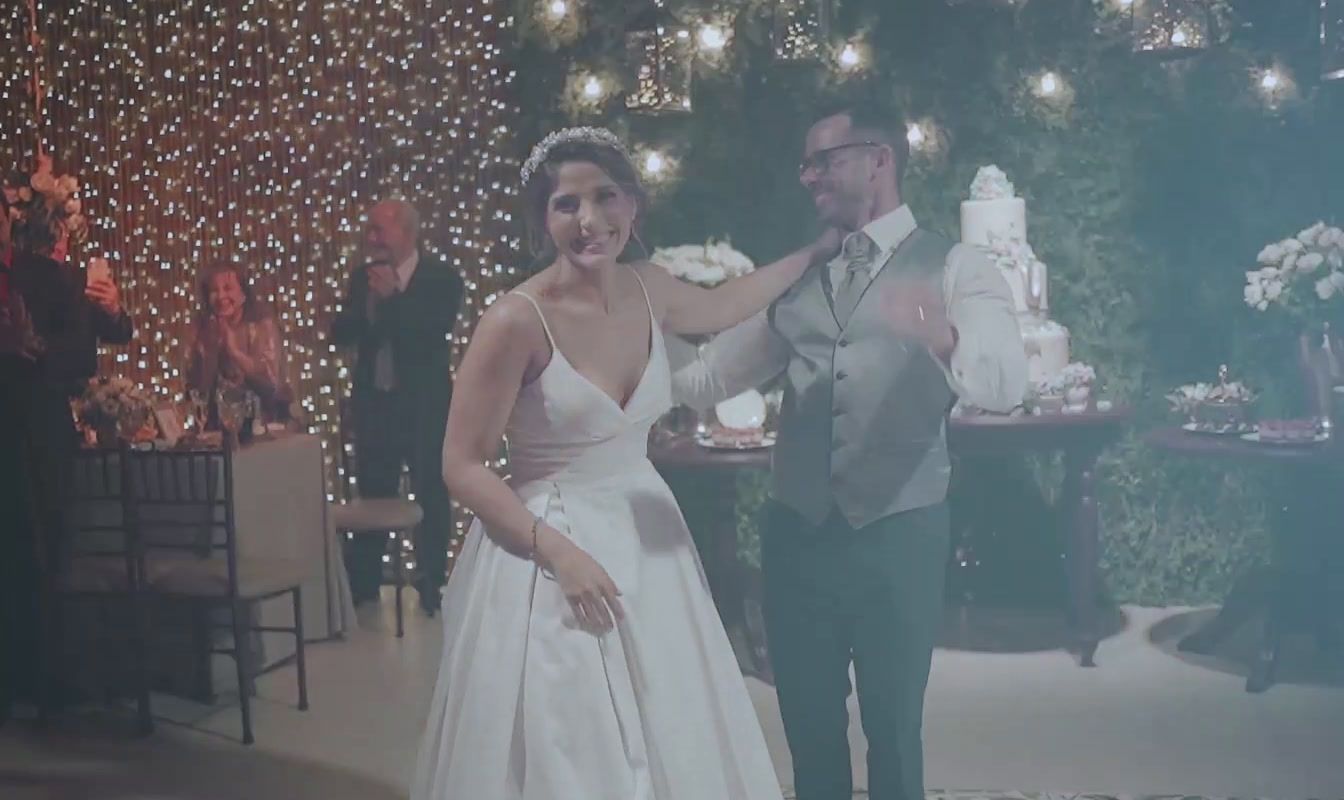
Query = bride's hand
x=589 y=589
x=825 y=247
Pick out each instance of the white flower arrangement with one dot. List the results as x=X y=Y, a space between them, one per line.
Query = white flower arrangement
x=706 y=265
x=1315 y=254
x=1012 y=255
x=991 y=183
x=114 y=402
x=1075 y=375
x=45 y=199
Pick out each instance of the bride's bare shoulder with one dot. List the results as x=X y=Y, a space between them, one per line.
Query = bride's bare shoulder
x=511 y=317
x=655 y=277
x=656 y=281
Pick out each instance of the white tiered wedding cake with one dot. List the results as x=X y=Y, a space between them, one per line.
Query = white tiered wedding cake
x=995 y=219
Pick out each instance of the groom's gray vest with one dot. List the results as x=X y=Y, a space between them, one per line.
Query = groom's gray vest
x=862 y=423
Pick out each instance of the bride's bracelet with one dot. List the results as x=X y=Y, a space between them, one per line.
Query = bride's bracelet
x=536 y=523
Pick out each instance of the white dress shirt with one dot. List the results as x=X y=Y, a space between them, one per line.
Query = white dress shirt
x=988 y=368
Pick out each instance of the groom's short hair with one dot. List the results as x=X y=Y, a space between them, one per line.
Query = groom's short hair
x=878 y=122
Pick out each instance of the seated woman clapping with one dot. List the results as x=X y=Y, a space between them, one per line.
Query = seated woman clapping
x=237 y=342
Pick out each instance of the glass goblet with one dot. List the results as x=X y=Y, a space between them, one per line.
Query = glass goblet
x=231 y=404
x=200 y=410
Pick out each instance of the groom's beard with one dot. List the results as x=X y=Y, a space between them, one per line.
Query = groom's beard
x=837 y=211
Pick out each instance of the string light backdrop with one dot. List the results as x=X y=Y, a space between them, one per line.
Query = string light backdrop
x=261 y=131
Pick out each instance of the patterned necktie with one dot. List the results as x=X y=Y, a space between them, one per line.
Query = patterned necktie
x=384 y=367
x=857 y=252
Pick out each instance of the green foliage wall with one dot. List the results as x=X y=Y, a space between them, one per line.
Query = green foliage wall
x=1148 y=196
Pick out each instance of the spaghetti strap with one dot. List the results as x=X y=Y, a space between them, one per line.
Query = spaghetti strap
x=653 y=318
x=549 y=338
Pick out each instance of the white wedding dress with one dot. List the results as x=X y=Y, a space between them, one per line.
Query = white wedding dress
x=530 y=707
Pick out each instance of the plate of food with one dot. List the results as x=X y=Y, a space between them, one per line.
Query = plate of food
x=1211 y=429
x=739 y=425
x=1287 y=432
x=728 y=439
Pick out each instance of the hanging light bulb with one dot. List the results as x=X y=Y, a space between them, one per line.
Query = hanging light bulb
x=712 y=38
x=1274 y=84
x=561 y=21
x=850 y=58
x=1052 y=92
x=656 y=167
x=585 y=93
x=925 y=137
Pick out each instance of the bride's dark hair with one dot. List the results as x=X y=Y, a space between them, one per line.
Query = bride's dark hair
x=541 y=184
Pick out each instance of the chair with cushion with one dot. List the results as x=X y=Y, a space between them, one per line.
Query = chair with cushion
x=181 y=504
x=387 y=517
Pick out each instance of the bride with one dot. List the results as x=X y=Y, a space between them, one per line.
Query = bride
x=583 y=657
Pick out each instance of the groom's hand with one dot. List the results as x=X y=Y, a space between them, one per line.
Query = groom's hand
x=914 y=309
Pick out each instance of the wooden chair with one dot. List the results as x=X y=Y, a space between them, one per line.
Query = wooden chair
x=170 y=493
x=375 y=516
x=381 y=516
x=100 y=559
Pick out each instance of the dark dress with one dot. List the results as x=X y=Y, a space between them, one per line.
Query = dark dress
x=37 y=443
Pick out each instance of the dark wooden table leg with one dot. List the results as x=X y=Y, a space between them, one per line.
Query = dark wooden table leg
x=1083 y=523
x=1249 y=595
x=1267 y=657
x=1328 y=607
x=1305 y=531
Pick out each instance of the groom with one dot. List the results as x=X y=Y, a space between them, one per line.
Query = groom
x=876 y=346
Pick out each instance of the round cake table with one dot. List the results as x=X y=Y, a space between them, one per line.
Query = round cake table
x=1081 y=437
x=1301 y=583
x=683 y=464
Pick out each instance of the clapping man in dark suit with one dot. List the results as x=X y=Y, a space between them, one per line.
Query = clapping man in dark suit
x=399 y=314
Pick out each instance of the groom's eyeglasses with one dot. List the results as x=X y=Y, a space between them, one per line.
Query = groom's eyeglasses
x=821 y=160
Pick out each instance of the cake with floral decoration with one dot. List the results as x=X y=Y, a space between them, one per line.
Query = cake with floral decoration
x=995 y=220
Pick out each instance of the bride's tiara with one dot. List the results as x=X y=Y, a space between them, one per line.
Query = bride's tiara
x=543 y=149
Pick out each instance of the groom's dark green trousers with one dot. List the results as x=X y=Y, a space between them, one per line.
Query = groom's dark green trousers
x=872 y=596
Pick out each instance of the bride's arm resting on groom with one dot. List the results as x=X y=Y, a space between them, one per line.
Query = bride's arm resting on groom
x=688 y=309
